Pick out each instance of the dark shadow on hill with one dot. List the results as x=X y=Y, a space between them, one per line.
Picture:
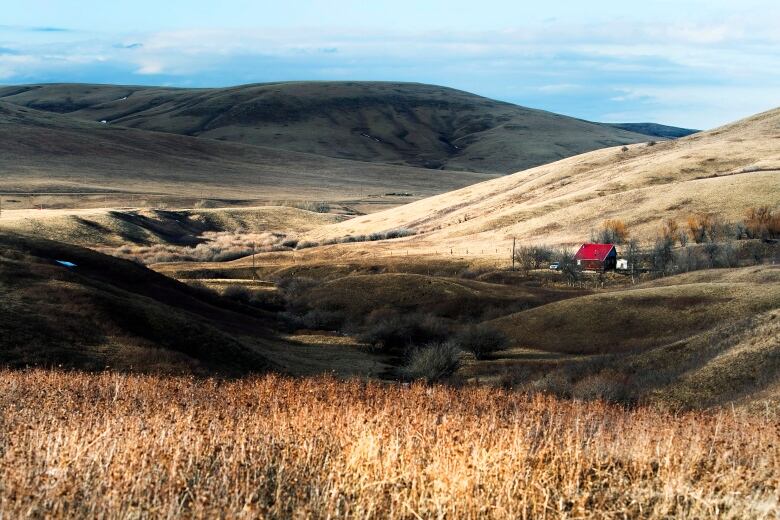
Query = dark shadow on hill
x=106 y=311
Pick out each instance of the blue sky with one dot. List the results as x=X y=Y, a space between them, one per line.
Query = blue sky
x=687 y=62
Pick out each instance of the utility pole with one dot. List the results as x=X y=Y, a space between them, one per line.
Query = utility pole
x=513 y=253
x=253 y=262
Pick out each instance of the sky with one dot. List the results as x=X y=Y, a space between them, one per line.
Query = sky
x=690 y=63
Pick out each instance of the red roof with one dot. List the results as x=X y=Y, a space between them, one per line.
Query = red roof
x=594 y=252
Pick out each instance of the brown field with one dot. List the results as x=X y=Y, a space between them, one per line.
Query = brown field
x=76 y=445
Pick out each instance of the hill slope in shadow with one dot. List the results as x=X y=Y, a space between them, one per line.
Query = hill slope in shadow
x=109 y=312
x=45 y=151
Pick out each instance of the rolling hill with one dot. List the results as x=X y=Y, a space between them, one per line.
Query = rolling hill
x=708 y=338
x=723 y=172
x=49 y=152
x=110 y=227
x=109 y=312
x=380 y=122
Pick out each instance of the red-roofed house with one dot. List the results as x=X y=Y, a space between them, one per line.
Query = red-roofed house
x=596 y=257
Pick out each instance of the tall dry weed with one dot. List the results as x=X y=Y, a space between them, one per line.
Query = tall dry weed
x=108 y=445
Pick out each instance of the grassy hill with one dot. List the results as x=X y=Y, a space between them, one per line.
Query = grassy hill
x=380 y=122
x=50 y=152
x=644 y=317
x=119 y=227
x=723 y=172
x=695 y=340
x=110 y=312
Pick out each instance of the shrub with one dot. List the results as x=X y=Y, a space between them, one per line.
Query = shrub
x=687 y=259
x=290 y=242
x=556 y=383
x=567 y=265
x=661 y=257
x=433 y=362
x=697 y=226
x=670 y=230
x=315 y=206
x=390 y=330
x=533 y=257
x=237 y=293
x=613 y=231
x=306 y=244
x=206 y=203
x=762 y=222
x=381 y=235
x=607 y=386
x=214 y=247
x=398 y=233
x=268 y=300
x=319 y=319
x=481 y=340
x=201 y=289
x=295 y=291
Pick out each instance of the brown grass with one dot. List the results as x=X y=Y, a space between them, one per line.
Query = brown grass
x=639 y=318
x=75 y=445
x=721 y=173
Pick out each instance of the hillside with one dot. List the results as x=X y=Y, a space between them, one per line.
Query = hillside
x=647 y=316
x=724 y=172
x=148 y=227
x=655 y=130
x=110 y=312
x=708 y=338
x=394 y=123
x=49 y=152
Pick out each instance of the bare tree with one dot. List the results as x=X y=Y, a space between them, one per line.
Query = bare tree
x=613 y=231
x=632 y=254
x=568 y=266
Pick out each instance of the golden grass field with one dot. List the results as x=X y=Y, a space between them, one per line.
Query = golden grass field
x=108 y=445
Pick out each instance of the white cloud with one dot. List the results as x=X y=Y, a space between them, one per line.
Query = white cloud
x=694 y=74
x=150 y=67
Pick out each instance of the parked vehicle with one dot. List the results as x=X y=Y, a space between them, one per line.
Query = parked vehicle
x=555 y=266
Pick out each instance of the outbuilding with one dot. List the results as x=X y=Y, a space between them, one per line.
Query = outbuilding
x=596 y=257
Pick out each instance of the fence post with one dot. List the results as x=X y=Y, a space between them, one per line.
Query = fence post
x=513 y=253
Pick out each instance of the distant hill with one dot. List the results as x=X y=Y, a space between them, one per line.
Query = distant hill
x=379 y=122
x=654 y=129
x=51 y=152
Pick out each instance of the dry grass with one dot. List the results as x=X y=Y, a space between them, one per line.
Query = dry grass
x=46 y=152
x=651 y=315
x=75 y=445
x=218 y=246
x=723 y=172
x=148 y=227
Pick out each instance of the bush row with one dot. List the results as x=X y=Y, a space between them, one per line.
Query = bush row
x=384 y=235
